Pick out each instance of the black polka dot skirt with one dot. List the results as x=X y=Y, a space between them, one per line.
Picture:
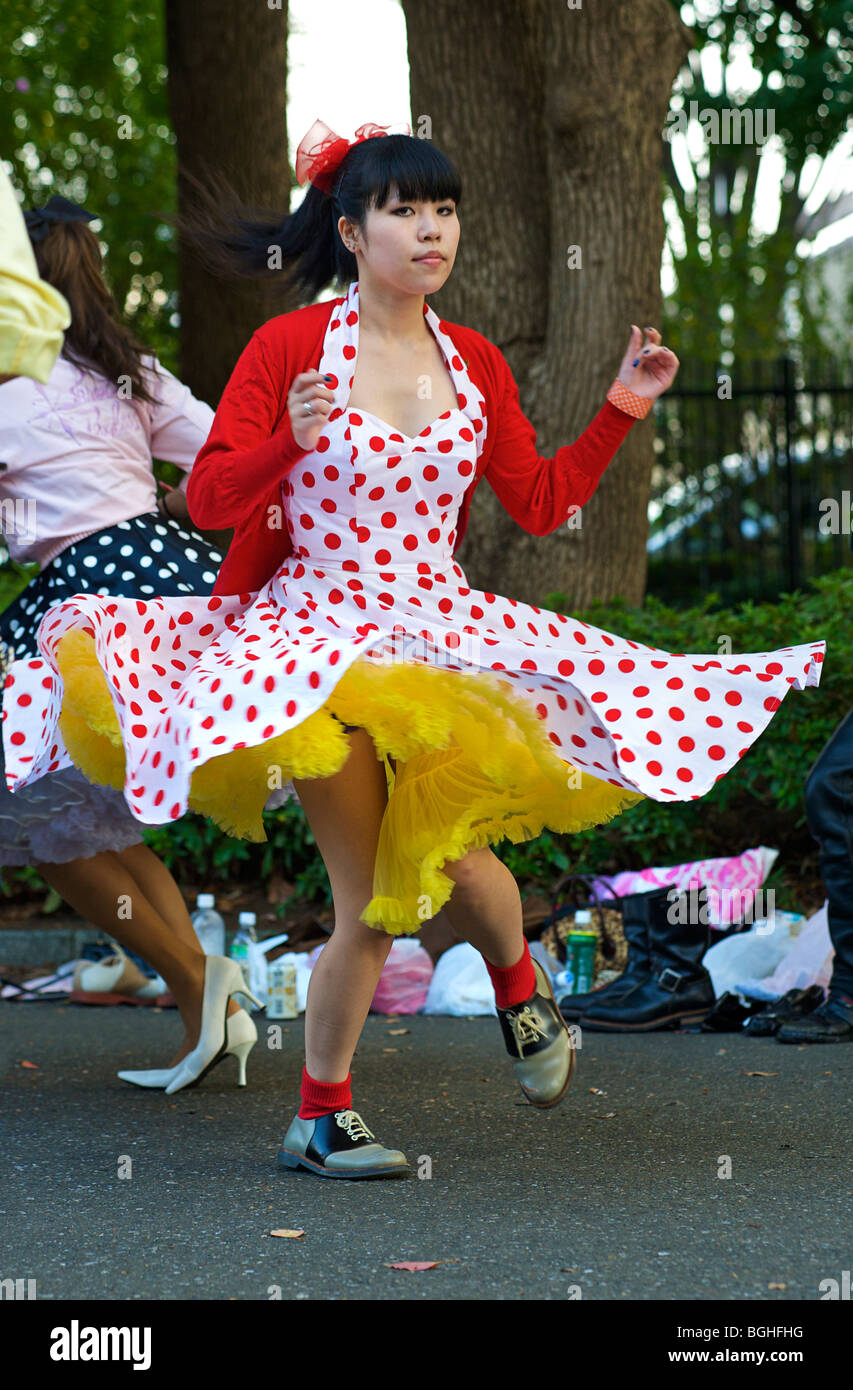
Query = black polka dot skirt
x=63 y=816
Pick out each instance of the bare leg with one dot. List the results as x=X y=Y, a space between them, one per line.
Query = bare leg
x=485 y=906
x=161 y=890
x=345 y=812
x=94 y=887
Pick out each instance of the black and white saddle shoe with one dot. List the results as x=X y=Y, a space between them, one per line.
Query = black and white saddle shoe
x=539 y=1041
x=339 y=1145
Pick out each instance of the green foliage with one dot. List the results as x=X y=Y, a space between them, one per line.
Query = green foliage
x=736 y=285
x=194 y=846
x=14 y=578
x=84 y=104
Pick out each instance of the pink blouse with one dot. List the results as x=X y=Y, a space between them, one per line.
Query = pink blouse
x=76 y=455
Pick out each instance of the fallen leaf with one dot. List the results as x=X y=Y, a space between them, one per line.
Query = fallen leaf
x=397 y=1032
x=761 y=1073
x=777 y=1286
x=390 y=1049
x=289 y=1235
x=413 y=1265
x=611 y=1115
x=32 y=1065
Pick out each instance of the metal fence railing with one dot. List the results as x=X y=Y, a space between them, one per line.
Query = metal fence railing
x=752 y=484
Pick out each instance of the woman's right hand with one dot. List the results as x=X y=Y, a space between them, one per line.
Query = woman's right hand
x=310 y=388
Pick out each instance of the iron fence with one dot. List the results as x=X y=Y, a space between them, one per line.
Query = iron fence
x=752 y=483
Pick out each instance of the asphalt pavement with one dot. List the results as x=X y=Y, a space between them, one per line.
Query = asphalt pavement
x=680 y=1166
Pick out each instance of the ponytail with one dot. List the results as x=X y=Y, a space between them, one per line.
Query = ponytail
x=236 y=239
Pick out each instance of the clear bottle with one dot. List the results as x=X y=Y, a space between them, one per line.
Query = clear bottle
x=209 y=926
x=245 y=935
x=564 y=983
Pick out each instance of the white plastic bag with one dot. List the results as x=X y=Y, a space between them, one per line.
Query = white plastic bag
x=745 y=958
x=460 y=984
x=809 y=962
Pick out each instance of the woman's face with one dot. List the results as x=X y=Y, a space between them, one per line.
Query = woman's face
x=397 y=237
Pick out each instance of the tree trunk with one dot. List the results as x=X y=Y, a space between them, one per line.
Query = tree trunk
x=553 y=116
x=227 y=91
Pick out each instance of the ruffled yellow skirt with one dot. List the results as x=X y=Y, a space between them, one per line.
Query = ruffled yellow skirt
x=474 y=764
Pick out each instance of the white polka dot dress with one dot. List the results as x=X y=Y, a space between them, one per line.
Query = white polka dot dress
x=513 y=717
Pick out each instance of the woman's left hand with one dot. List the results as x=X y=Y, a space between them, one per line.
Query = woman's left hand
x=648 y=369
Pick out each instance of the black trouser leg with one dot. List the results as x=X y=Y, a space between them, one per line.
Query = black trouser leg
x=829 y=811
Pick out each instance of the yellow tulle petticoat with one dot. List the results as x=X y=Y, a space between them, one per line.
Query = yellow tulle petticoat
x=474 y=764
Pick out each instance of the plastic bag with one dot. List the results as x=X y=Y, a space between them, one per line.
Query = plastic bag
x=405 y=979
x=460 y=984
x=745 y=958
x=808 y=962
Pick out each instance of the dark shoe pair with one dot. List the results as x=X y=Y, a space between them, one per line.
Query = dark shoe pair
x=793 y=1005
x=540 y=1044
x=832 y=1022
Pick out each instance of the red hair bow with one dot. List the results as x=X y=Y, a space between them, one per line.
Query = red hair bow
x=320 y=152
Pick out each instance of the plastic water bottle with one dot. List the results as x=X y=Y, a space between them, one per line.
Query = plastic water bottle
x=209 y=926
x=564 y=984
x=244 y=937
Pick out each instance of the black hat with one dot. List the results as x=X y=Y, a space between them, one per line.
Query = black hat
x=41 y=220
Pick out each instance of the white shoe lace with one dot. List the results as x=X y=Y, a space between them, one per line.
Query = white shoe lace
x=354 y=1125
x=526 y=1027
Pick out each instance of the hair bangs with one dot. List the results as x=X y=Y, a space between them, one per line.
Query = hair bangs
x=406 y=166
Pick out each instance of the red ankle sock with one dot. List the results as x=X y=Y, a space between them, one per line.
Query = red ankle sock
x=323 y=1097
x=513 y=982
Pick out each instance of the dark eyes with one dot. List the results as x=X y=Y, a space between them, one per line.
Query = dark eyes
x=447 y=207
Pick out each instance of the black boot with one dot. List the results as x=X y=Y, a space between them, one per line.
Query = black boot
x=635 y=912
x=830 y=1023
x=678 y=988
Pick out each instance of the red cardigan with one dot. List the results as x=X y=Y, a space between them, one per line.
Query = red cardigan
x=237 y=475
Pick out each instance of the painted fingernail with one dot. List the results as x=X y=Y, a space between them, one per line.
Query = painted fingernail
x=327 y=378
x=645 y=350
x=635 y=361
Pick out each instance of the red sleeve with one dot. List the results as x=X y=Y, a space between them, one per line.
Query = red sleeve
x=538 y=492
x=246 y=450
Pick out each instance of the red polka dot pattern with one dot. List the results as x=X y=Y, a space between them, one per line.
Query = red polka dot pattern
x=372 y=515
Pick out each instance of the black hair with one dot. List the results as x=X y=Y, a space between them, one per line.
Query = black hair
x=234 y=238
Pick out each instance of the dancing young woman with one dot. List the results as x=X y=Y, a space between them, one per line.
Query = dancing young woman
x=344 y=648
x=78 y=496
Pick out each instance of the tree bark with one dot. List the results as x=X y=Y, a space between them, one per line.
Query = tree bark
x=553 y=116
x=228 y=96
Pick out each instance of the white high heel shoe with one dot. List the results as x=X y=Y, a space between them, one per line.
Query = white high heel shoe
x=240 y=1037
x=222 y=979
